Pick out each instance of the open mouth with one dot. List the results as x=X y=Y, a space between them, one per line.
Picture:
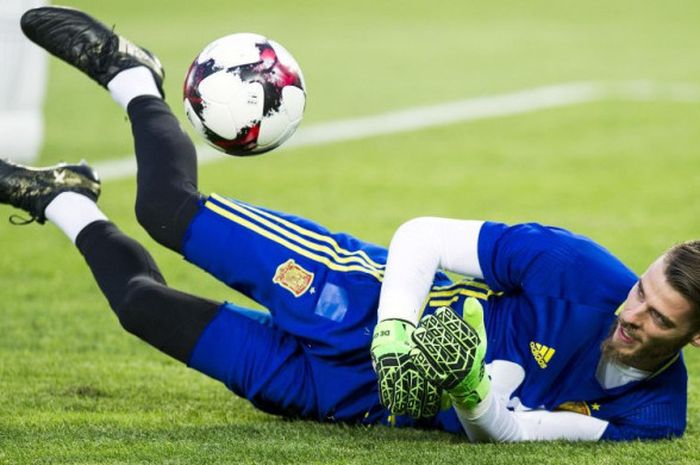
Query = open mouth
x=624 y=336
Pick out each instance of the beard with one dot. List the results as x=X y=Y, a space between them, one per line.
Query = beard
x=647 y=354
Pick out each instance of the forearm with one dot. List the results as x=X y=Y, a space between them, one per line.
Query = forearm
x=491 y=421
x=418 y=249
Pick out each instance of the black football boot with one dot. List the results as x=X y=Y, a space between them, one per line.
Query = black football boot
x=80 y=40
x=31 y=189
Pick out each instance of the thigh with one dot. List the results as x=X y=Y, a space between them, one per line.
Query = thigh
x=275 y=371
x=242 y=349
x=166 y=178
x=319 y=286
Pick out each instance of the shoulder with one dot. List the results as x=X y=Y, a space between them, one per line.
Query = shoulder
x=543 y=238
x=551 y=259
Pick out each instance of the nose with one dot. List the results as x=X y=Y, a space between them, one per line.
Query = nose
x=634 y=315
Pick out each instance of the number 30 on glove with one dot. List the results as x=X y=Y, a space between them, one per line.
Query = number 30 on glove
x=450 y=351
x=403 y=389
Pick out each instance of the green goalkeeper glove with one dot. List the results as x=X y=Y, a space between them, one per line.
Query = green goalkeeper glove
x=403 y=390
x=450 y=351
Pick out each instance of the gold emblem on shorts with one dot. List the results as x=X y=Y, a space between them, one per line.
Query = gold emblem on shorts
x=293 y=277
x=576 y=407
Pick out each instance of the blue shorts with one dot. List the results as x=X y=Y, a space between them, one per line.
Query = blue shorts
x=309 y=357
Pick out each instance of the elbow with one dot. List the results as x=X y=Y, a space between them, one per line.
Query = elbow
x=420 y=227
x=418 y=237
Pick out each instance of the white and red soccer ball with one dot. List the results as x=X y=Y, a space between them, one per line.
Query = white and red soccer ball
x=244 y=94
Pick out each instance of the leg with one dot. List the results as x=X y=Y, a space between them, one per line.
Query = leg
x=263 y=363
x=319 y=286
x=167 y=196
x=167 y=319
x=252 y=358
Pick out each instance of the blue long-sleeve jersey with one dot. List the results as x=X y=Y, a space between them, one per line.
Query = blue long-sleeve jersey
x=549 y=299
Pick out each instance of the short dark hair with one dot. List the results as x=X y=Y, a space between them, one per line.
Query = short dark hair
x=683 y=273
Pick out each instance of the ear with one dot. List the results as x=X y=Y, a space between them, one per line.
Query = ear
x=695 y=341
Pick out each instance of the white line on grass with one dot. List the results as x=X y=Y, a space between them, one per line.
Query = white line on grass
x=411 y=119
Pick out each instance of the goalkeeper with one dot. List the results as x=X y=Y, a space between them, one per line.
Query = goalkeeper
x=551 y=338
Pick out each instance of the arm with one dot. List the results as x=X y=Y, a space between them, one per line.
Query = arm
x=419 y=248
x=450 y=350
x=491 y=421
x=530 y=257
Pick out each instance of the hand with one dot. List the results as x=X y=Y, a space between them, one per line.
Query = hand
x=450 y=351
x=403 y=390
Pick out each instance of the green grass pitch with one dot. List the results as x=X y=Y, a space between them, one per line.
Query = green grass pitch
x=76 y=389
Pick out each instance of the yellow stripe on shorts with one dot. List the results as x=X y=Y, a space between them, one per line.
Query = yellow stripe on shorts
x=302 y=247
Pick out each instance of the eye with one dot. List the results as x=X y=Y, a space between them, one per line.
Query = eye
x=658 y=318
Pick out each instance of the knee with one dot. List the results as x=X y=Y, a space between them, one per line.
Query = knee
x=155 y=213
x=149 y=213
x=135 y=310
x=165 y=213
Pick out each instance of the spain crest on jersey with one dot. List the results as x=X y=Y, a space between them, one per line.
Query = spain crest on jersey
x=291 y=276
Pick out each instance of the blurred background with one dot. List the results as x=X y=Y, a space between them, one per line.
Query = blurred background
x=22 y=86
x=619 y=162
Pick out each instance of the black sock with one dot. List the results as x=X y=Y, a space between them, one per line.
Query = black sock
x=170 y=320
